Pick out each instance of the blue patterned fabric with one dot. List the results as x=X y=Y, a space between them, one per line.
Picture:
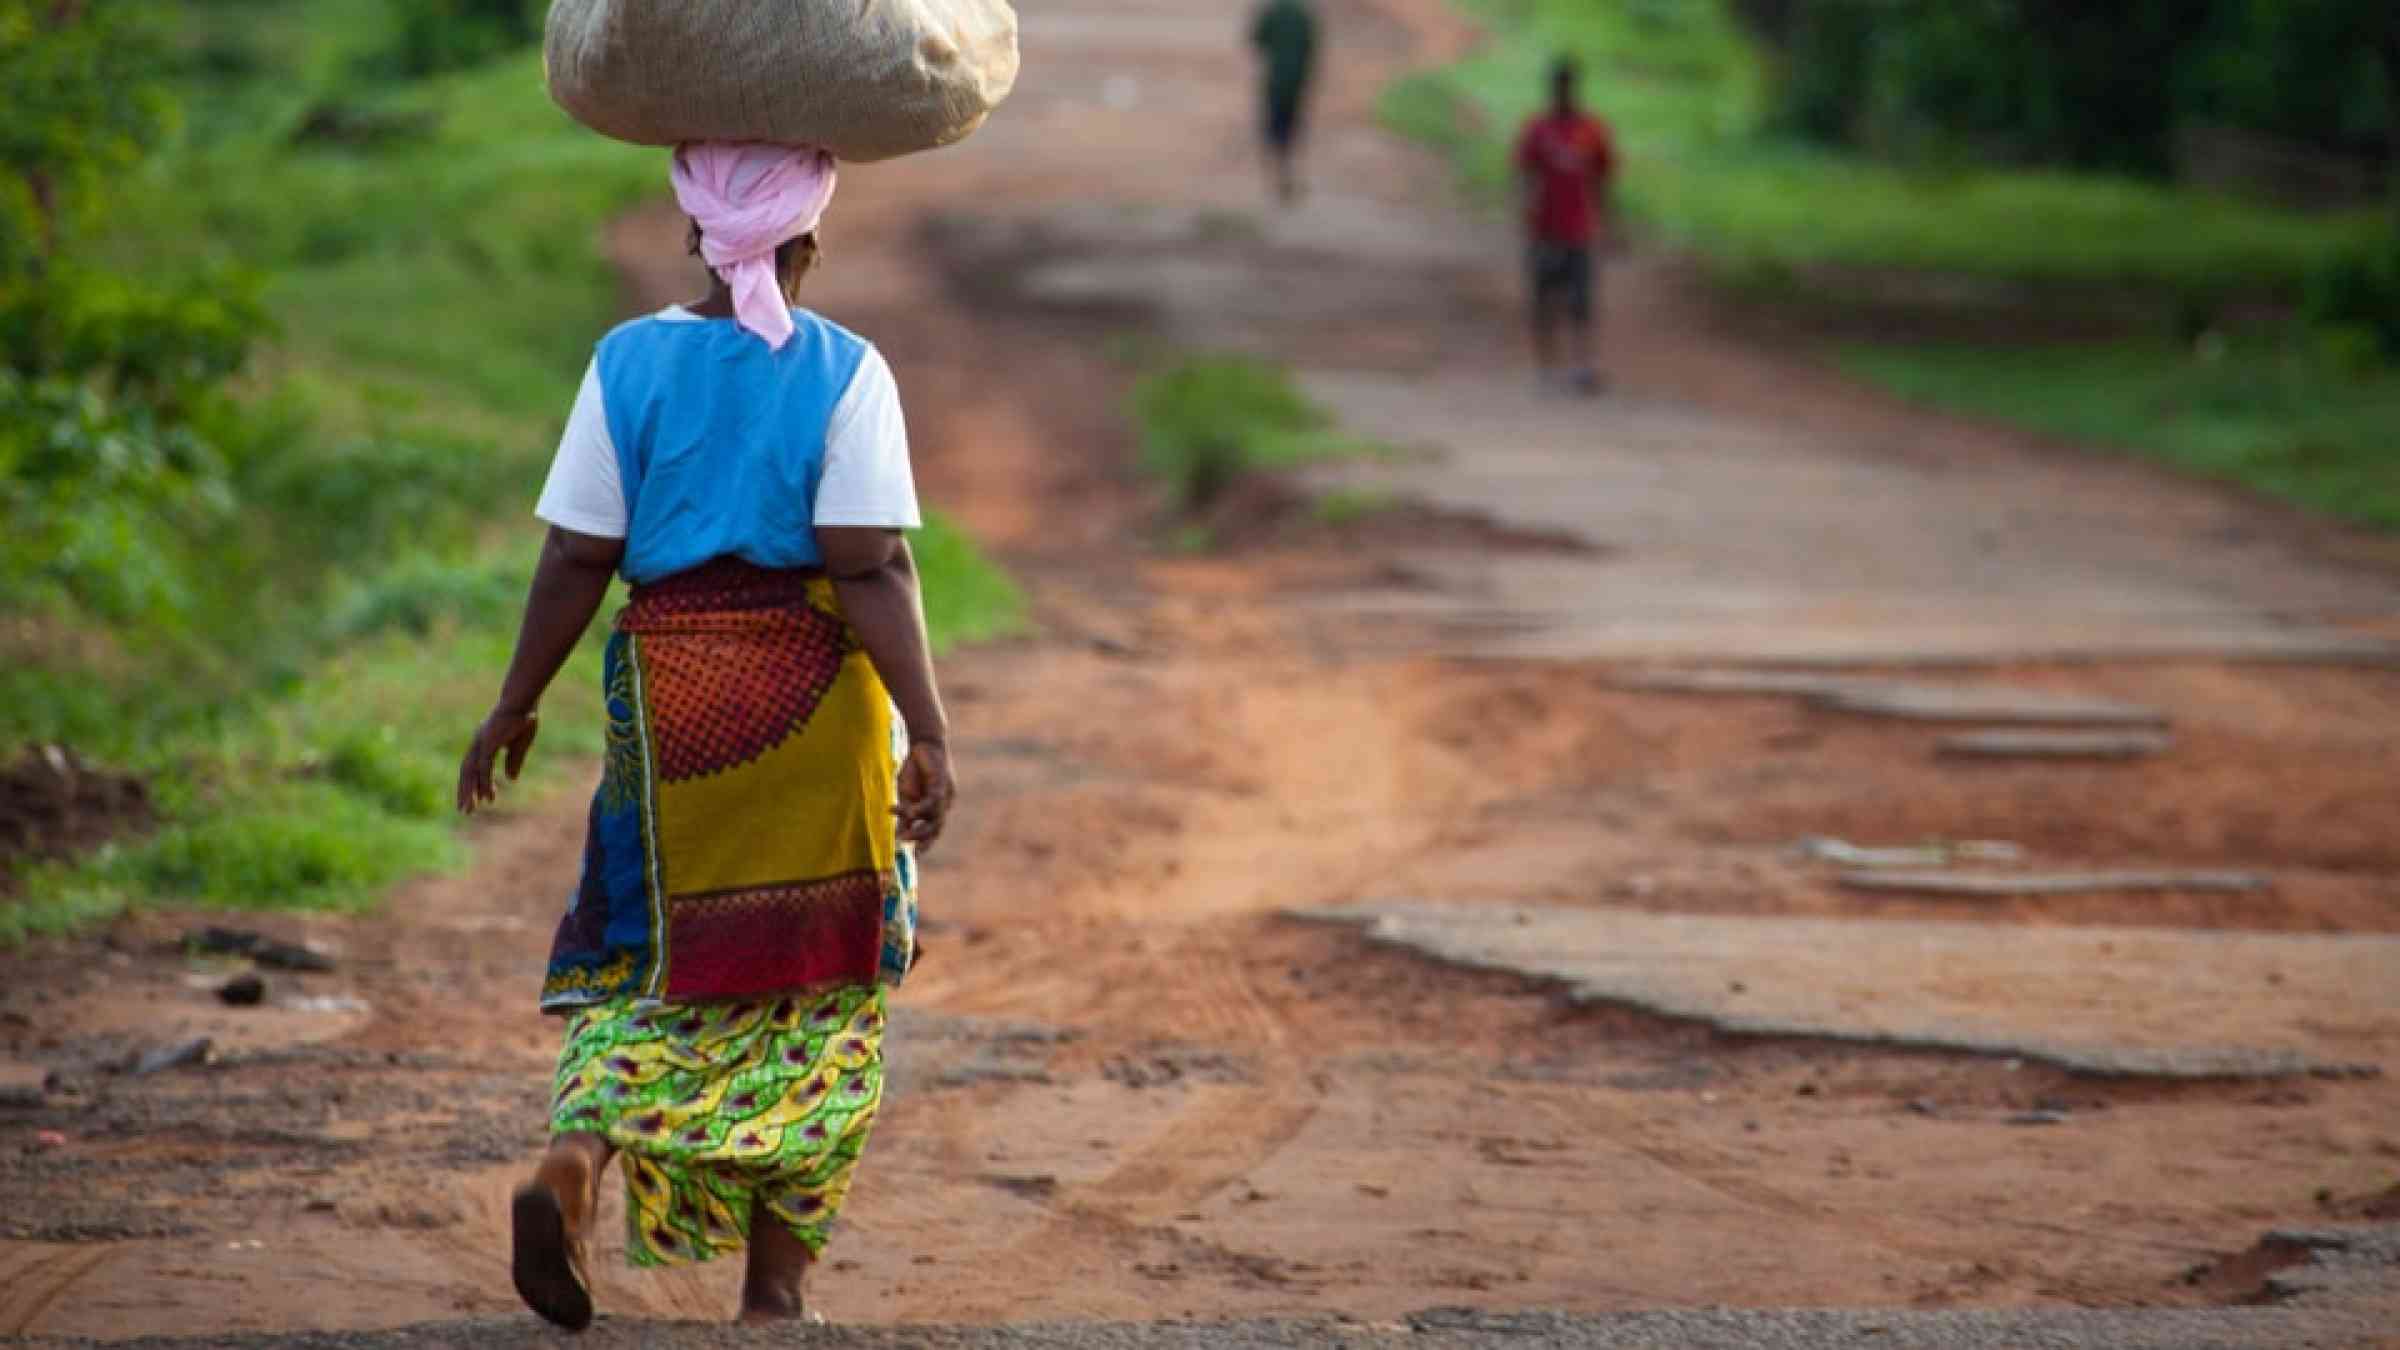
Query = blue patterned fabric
x=606 y=950
x=900 y=919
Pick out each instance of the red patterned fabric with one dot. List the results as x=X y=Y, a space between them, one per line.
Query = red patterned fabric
x=738 y=659
x=771 y=939
x=713 y=588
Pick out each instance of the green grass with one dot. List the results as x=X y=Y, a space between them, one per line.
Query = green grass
x=967 y=599
x=306 y=845
x=1349 y=506
x=437 y=292
x=1205 y=420
x=1685 y=90
x=2287 y=421
x=318 y=793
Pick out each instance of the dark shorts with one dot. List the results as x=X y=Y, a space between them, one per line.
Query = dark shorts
x=1562 y=279
x=1282 y=124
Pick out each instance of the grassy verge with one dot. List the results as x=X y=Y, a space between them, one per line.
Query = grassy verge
x=1684 y=88
x=2283 y=420
x=1206 y=420
x=967 y=598
x=436 y=275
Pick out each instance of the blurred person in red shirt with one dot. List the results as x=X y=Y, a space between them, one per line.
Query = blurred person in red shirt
x=1564 y=162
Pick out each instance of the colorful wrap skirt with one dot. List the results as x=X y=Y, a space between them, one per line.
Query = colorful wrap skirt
x=726 y=1114
x=743 y=905
x=741 y=843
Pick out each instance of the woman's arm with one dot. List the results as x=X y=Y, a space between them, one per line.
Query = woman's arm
x=875 y=577
x=569 y=583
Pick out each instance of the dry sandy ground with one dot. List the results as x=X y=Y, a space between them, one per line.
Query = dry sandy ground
x=1125 y=1088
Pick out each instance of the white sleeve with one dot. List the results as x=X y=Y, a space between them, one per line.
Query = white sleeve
x=585 y=493
x=865 y=481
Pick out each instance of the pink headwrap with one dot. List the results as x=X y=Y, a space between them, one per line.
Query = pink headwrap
x=749 y=198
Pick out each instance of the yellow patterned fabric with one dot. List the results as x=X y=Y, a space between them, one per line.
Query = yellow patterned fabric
x=741 y=843
x=725 y=1112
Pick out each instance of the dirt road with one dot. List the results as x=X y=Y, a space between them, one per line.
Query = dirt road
x=1126 y=1087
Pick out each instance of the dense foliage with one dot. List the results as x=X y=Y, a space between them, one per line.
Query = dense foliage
x=2356 y=295
x=142 y=503
x=438 y=35
x=2065 y=82
x=114 y=439
x=80 y=83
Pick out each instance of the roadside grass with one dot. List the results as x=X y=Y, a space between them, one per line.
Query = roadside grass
x=437 y=287
x=1206 y=420
x=2279 y=418
x=1685 y=90
x=1350 y=506
x=967 y=598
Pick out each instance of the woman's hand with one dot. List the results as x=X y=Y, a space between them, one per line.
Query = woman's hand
x=926 y=791
x=503 y=730
x=568 y=584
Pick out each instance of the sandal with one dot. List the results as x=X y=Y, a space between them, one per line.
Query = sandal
x=547 y=1260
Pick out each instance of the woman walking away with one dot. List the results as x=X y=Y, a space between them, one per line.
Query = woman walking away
x=775 y=751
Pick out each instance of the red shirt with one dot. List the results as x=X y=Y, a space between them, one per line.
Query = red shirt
x=1568 y=157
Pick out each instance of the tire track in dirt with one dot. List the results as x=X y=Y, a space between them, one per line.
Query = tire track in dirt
x=35 y=1279
x=1220 y=1135
x=1734 y=1178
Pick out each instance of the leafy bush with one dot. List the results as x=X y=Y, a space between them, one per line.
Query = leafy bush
x=417 y=592
x=364 y=498
x=406 y=778
x=2305 y=70
x=167 y=341
x=967 y=597
x=80 y=83
x=1207 y=420
x=95 y=497
x=2360 y=290
x=109 y=461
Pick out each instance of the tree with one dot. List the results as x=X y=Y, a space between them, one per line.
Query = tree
x=2093 y=86
x=111 y=420
x=85 y=98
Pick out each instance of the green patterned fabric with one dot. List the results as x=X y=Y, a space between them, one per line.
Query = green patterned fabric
x=721 y=1109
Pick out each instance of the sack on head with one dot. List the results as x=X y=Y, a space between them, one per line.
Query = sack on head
x=865 y=79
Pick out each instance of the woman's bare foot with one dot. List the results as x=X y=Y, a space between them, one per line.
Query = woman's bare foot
x=551 y=1219
x=774 y=1284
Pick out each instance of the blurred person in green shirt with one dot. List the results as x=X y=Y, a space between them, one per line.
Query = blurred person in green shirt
x=1285 y=34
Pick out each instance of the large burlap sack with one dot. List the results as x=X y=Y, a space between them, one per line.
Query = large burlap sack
x=866 y=79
